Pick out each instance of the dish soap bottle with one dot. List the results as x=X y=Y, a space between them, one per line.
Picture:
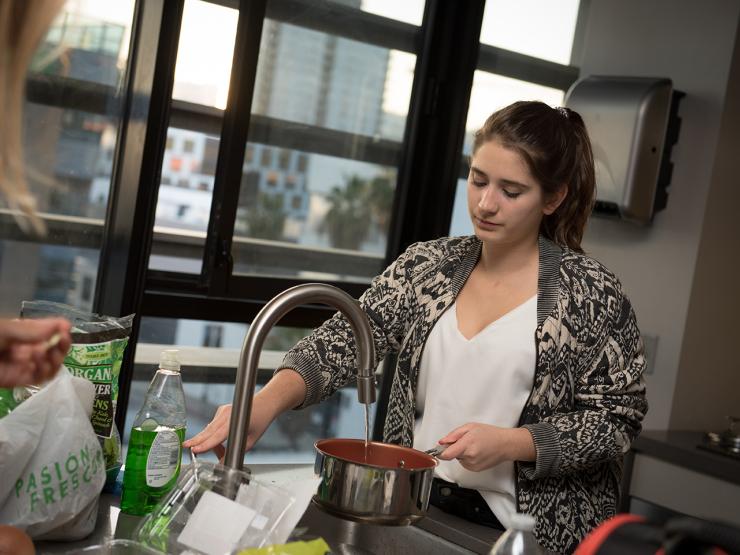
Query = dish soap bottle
x=518 y=538
x=155 y=443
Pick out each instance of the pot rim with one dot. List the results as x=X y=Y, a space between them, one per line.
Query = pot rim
x=433 y=460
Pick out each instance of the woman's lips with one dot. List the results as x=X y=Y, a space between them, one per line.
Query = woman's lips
x=486 y=225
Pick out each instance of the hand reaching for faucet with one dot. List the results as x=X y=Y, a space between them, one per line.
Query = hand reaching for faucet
x=284 y=391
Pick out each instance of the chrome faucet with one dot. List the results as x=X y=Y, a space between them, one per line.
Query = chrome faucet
x=246 y=374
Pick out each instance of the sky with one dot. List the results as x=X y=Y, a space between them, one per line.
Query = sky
x=540 y=28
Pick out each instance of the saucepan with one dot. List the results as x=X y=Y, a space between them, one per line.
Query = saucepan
x=383 y=484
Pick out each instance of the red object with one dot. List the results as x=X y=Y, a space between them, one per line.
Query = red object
x=593 y=542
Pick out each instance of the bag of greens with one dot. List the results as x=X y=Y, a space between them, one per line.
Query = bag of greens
x=98 y=343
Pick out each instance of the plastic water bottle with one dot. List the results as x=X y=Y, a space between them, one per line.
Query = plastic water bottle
x=518 y=539
x=155 y=443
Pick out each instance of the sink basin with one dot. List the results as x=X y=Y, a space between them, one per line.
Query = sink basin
x=354 y=538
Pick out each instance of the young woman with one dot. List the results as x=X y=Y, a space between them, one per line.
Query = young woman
x=515 y=350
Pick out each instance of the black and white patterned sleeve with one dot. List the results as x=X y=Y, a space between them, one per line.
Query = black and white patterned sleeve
x=327 y=358
x=609 y=400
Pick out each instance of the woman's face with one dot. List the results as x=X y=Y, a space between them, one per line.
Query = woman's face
x=505 y=202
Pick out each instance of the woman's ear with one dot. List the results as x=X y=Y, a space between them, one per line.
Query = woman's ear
x=555 y=200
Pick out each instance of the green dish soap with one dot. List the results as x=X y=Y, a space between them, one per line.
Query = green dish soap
x=155 y=444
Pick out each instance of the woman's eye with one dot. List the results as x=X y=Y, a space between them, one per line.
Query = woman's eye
x=479 y=183
x=511 y=194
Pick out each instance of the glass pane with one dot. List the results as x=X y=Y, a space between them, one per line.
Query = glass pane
x=540 y=28
x=201 y=77
x=325 y=217
x=491 y=92
x=301 y=212
x=69 y=149
x=321 y=217
x=408 y=11
x=209 y=353
x=204 y=53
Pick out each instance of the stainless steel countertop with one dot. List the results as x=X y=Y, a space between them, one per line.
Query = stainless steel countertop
x=113 y=524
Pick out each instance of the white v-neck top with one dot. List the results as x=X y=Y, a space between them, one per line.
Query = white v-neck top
x=486 y=379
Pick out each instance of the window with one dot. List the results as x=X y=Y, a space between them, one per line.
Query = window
x=538 y=28
x=210 y=384
x=213 y=335
x=69 y=145
x=284 y=159
x=175 y=164
x=266 y=159
x=316 y=185
x=87 y=288
x=502 y=21
x=302 y=163
x=210 y=155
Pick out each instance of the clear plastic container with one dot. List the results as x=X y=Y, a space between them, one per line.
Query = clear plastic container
x=155 y=443
x=518 y=539
x=214 y=510
x=115 y=547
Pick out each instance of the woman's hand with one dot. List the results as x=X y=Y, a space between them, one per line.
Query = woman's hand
x=284 y=391
x=482 y=446
x=215 y=434
x=31 y=351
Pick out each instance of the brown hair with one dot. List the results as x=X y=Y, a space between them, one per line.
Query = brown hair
x=23 y=23
x=555 y=146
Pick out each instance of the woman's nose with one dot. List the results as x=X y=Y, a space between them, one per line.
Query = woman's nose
x=487 y=201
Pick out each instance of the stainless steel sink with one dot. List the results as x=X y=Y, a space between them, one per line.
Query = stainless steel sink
x=353 y=538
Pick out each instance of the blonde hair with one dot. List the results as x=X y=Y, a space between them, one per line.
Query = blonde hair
x=23 y=23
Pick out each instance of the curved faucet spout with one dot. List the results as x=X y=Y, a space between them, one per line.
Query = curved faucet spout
x=246 y=375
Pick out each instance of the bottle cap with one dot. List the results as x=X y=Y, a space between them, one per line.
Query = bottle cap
x=522 y=521
x=168 y=360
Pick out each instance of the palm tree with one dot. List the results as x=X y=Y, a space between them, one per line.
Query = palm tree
x=267 y=219
x=348 y=219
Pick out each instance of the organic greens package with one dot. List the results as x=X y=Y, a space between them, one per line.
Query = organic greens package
x=98 y=343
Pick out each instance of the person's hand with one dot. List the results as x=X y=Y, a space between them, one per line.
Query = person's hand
x=217 y=431
x=31 y=351
x=285 y=390
x=482 y=446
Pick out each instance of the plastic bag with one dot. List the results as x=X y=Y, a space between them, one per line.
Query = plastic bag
x=98 y=344
x=51 y=462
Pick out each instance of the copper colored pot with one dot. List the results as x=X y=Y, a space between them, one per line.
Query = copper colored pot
x=388 y=484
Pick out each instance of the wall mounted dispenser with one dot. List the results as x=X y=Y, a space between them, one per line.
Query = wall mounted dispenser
x=633 y=123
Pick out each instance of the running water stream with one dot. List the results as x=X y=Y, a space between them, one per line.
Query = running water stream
x=367 y=430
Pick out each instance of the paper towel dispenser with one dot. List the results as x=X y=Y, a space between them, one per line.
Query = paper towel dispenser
x=633 y=123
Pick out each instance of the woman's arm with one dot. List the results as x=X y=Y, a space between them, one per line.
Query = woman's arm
x=327 y=358
x=609 y=403
x=284 y=391
x=324 y=361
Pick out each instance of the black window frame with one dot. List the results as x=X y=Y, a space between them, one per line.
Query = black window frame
x=429 y=153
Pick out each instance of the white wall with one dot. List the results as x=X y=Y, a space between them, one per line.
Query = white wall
x=708 y=384
x=692 y=43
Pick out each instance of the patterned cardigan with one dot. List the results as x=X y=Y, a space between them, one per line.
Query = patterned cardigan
x=588 y=396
